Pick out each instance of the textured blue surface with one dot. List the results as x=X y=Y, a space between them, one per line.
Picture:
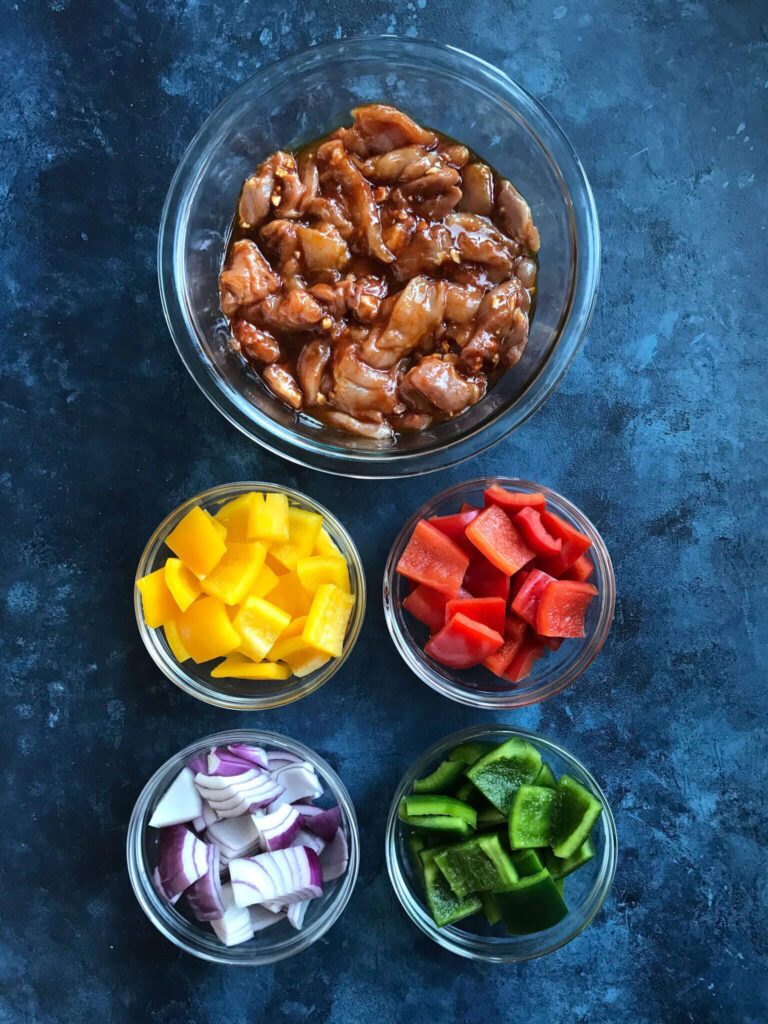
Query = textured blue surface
x=658 y=433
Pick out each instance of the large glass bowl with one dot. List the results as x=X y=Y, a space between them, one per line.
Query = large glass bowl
x=246 y=694
x=275 y=943
x=585 y=889
x=478 y=686
x=308 y=95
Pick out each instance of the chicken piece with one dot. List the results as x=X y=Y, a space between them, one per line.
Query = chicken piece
x=411 y=421
x=379 y=129
x=282 y=382
x=438 y=206
x=427 y=249
x=296 y=310
x=331 y=211
x=477 y=240
x=455 y=154
x=342 y=421
x=359 y=389
x=461 y=302
x=526 y=272
x=495 y=317
x=514 y=217
x=399 y=165
x=247 y=279
x=310 y=178
x=438 y=179
x=438 y=381
x=323 y=247
x=256 y=198
x=515 y=340
x=336 y=165
x=255 y=344
x=361 y=294
x=281 y=237
x=415 y=314
x=311 y=367
x=477 y=189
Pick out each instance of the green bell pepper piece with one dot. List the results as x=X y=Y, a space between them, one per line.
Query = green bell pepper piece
x=490 y=908
x=530 y=820
x=546 y=777
x=527 y=862
x=532 y=904
x=469 y=752
x=442 y=780
x=576 y=811
x=489 y=817
x=478 y=864
x=500 y=773
x=433 y=803
x=444 y=905
x=560 y=867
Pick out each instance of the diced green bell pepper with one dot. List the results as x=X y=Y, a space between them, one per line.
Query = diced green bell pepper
x=576 y=811
x=532 y=904
x=500 y=773
x=560 y=867
x=443 y=779
x=489 y=817
x=490 y=909
x=417 y=843
x=478 y=864
x=434 y=803
x=546 y=777
x=530 y=820
x=444 y=905
x=469 y=752
x=527 y=862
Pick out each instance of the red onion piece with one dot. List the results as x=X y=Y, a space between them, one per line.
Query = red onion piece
x=180 y=803
x=262 y=917
x=295 y=914
x=182 y=859
x=335 y=857
x=205 y=896
x=288 y=875
x=235 y=925
x=235 y=837
x=278 y=828
x=298 y=781
x=325 y=824
x=246 y=752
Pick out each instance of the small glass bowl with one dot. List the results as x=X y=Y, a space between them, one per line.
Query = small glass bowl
x=246 y=694
x=585 y=889
x=478 y=686
x=275 y=943
x=307 y=95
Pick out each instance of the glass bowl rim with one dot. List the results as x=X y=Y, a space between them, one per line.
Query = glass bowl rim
x=566 y=340
x=204 y=691
x=140 y=877
x=507 y=699
x=507 y=949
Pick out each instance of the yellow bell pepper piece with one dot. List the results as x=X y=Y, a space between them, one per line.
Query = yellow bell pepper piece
x=205 y=630
x=298 y=655
x=277 y=567
x=265 y=581
x=290 y=595
x=294 y=628
x=183 y=584
x=319 y=569
x=326 y=624
x=234 y=515
x=325 y=546
x=157 y=603
x=285 y=642
x=220 y=528
x=269 y=518
x=239 y=668
x=303 y=530
x=259 y=624
x=236 y=573
x=173 y=639
x=196 y=541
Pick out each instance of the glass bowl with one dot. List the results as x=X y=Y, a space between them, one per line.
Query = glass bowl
x=246 y=694
x=478 y=686
x=585 y=889
x=308 y=95
x=275 y=943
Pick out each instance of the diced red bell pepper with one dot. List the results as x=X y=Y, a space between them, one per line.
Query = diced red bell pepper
x=513 y=501
x=562 y=607
x=484 y=580
x=462 y=643
x=526 y=603
x=494 y=536
x=514 y=628
x=528 y=522
x=574 y=544
x=520 y=667
x=454 y=527
x=433 y=559
x=428 y=605
x=514 y=634
x=552 y=642
x=581 y=569
x=517 y=582
x=491 y=611
x=466 y=507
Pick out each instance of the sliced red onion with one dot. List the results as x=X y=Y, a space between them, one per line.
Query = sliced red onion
x=235 y=925
x=235 y=837
x=325 y=824
x=182 y=859
x=235 y=795
x=208 y=817
x=204 y=896
x=278 y=758
x=298 y=781
x=273 y=906
x=335 y=857
x=278 y=828
x=262 y=918
x=161 y=890
x=256 y=755
x=198 y=764
x=180 y=803
x=295 y=914
x=288 y=875
x=305 y=838
x=308 y=810
x=221 y=761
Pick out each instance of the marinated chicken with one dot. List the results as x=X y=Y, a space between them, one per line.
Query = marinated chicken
x=381 y=279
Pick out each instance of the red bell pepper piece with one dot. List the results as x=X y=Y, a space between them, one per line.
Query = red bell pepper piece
x=433 y=559
x=522 y=663
x=528 y=522
x=466 y=507
x=552 y=642
x=514 y=634
x=513 y=501
x=526 y=602
x=517 y=582
x=462 y=643
x=491 y=611
x=581 y=569
x=454 y=527
x=428 y=605
x=494 y=536
x=484 y=580
x=574 y=544
x=562 y=607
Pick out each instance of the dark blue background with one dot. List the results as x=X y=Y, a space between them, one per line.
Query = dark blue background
x=658 y=433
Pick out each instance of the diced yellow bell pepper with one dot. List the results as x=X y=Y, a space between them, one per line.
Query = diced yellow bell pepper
x=236 y=573
x=265 y=581
x=182 y=583
x=259 y=624
x=295 y=627
x=205 y=630
x=157 y=603
x=240 y=668
x=285 y=642
x=277 y=567
x=173 y=639
x=303 y=530
x=298 y=655
x=319 y=569
x=326 y=624
x=269 y=518
x=325 y=546
x=220 y=528
x=196 y=542
x=290 y=595
x=234 y=515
